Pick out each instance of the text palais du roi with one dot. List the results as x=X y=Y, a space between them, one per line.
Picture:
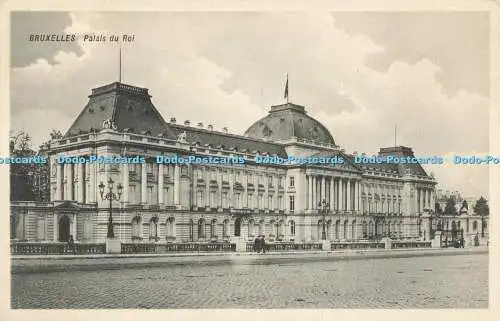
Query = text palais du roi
x=87 y=37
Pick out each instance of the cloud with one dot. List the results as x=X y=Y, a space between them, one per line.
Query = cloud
x=226 y=69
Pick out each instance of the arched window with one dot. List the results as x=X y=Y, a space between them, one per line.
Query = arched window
x=237 y=227
x=153 y=228
x=136 y=227
x=292 y=228
x=353 y=230
x=213 y=226
x=474 y=226
x=337 y=230
x=365 y=229
x=344 y=234
x=272 y=225
x=201 y=228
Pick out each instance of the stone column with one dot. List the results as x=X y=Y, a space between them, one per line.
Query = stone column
x=92 y=183
x=356 y=196
x=73 y=227
x=341 y=195
x=349 y=196
x=160 y=184
x=69 y=182
x=332 y=193
x=125 y=182
x=315 y=192
x=323 y=188
x=144 y=183
x=81 y=183
x=65 y=181
x=310 y=189
x=207 y=187
x=56 y=228
x=59 y=182
x=177 y=181
x=422 y=198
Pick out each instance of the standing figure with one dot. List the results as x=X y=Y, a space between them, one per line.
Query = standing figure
x=263 y=244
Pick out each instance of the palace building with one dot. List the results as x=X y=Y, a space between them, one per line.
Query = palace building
x=219 y=202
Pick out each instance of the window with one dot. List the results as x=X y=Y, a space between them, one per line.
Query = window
x=224 y=200
x=200 y=198
x=251 y=227
x=212 y=199
x=270 y=180
x=201 y=229
x=41 y=228
x=170 y=227
x=474 y=226
x=153 y=228
x=292 y=203
x=191 y=230
x=292 y=181
x=238 y=200
x=213 y=226
x=225 y=228
x=137 y=227
x=261 y=201
x=270 y=202
x=280 y=202
x=292 y=228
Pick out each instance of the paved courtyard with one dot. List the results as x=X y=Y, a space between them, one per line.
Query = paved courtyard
x=421 y=282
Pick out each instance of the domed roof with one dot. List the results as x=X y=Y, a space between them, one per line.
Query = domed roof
x=289 y=121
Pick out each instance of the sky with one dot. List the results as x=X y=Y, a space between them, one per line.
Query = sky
x=361 y=74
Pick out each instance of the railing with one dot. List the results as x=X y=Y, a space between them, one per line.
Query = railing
x=410 y=245
x=56 y=248
x=130 y=248
x=288 y=246
x=357 y=245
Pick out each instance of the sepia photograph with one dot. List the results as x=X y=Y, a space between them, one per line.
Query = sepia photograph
x=249 y=159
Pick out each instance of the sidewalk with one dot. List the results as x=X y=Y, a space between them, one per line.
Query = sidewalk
x=57 y=263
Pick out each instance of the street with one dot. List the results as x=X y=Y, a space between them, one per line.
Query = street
x=420 y=282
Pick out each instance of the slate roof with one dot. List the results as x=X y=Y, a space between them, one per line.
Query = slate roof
x=129 y=107
x=288 y=121
x=228 y=141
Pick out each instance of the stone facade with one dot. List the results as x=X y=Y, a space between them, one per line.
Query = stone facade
x=216 y=202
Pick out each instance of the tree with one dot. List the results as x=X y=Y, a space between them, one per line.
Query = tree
x=20 y=182
x=450 y=208
x=30 y=182
x=481 y=208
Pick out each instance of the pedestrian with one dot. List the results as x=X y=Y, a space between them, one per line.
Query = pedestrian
x=256 y=244
x=462 y=242
x=263 y=244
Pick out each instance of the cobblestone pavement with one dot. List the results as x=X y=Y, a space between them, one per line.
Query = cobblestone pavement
x=421 y=282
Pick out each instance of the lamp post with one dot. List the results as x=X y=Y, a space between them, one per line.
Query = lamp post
x=324 y=207
x=110 y=195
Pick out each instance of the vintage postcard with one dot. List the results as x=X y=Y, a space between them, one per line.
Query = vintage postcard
x=309 y=160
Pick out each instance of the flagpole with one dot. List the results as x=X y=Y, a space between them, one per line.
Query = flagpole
x=120 y=66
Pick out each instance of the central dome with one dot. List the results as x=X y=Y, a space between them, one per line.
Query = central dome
x=289 y=121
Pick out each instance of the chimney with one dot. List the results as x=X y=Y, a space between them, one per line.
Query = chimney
x=225 y=130
x=186 y=123
x=172 y=120
x=200 y=124
x=210 y=127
